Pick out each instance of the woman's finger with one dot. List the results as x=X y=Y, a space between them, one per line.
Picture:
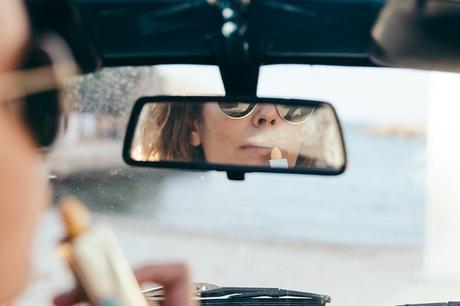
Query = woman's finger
x=69 y=298
x=175 y=279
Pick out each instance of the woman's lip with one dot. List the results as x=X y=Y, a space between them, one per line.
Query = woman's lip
x=262 y=151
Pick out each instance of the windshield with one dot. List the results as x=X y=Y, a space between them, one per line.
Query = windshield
x=358 y=237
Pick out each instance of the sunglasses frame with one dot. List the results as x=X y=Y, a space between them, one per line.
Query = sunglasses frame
x=277 y=109
x=29 y=81
x=47 y=65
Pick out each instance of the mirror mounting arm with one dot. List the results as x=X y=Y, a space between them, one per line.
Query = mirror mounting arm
x=239 y=71
x=237 y=52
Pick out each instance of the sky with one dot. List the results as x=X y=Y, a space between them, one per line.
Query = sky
x=362 y=95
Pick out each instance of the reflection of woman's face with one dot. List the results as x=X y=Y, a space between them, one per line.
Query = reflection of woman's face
x=249 y=140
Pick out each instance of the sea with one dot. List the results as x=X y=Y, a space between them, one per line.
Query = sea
x=379 y=201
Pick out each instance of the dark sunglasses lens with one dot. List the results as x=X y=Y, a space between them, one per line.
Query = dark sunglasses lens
x=295 y=114
x=42 y=110
x=237 y=109
x=42 y=115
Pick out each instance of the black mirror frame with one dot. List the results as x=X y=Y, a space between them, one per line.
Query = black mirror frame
x=234 y=172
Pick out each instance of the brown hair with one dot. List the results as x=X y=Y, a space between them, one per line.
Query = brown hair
x=166 y=132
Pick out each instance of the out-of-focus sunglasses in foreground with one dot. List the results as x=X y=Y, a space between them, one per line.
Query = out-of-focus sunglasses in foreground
x=47 y=65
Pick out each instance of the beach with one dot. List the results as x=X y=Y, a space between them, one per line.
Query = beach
x=352 y=275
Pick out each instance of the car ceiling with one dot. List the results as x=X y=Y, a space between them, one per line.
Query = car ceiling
x=104 y=33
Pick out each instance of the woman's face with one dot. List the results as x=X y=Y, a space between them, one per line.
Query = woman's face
x=249 y=140
x=23 y=186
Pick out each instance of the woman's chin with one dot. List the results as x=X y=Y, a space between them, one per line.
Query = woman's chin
x=259 y=153
x=255 y=161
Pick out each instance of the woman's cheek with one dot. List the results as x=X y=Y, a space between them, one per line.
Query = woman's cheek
x=23 y=193
x=211 y=134
x=14 y=31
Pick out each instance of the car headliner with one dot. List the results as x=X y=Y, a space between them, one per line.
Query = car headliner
x=147 y=32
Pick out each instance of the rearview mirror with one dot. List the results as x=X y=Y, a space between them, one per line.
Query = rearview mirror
x=235 y=134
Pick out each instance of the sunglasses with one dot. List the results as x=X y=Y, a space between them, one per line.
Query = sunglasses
x=293 y=114
x=47 y=65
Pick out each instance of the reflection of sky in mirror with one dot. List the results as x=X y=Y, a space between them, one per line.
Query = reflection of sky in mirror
x=359 y=94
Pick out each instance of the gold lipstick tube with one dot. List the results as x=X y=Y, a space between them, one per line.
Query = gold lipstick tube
x=97 y=260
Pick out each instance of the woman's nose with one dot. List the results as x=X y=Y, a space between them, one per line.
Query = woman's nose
x=265 y=115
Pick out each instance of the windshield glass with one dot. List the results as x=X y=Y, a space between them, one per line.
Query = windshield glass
x=358 y=237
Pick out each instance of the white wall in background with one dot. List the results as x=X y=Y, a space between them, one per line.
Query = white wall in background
x=359 y=94
x=442 y=249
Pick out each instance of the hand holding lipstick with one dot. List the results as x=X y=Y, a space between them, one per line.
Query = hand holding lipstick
x=103 y=275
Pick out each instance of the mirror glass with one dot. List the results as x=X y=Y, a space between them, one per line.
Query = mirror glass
x=263 y=133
